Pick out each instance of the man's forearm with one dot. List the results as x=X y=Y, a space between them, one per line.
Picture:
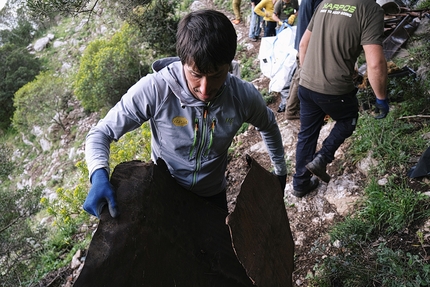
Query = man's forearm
x=377 y=70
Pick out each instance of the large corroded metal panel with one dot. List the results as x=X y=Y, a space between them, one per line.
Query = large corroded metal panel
x=260 y=229
x=165 y=236
x=168 y=236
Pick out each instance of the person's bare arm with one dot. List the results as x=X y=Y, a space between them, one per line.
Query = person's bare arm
x=376 y=70
x=276 y=18
x=303 y=46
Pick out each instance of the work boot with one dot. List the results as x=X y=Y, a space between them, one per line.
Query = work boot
x=313 y=183
x=318 y=168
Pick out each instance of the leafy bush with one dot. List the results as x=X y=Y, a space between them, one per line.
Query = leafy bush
x=51 y=8
x=20 y=241
x=108 y=68
x=18 y=68
x=6 y=165
x=41 y=102
x=135 y=145
x=21 y=35
x=158 y=22
x=65 y=235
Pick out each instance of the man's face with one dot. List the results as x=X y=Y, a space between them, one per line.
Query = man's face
x=205 y=87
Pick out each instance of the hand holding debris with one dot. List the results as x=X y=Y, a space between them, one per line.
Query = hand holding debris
x=382 y=107
x=101 y=193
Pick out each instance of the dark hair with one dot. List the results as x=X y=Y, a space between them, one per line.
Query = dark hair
x=207 y=38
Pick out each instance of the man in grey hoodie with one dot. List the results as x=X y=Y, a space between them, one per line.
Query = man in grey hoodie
x=194 y=107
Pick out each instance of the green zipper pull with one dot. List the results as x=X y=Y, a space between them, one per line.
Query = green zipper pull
x=211 y=136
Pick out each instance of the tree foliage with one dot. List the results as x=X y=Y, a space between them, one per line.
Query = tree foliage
x=40 y=102
x=19 y=242
x=6 y=165
x=18 y=68
x=47 y=8
x=21 y=36
x=108 y=68
x=158 y=22
x=157 y=19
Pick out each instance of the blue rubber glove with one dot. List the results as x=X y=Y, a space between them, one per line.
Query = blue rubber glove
x=383 y=108
x=101 y=193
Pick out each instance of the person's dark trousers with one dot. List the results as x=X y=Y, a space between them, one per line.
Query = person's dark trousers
x=270 y=29
x=313 y=108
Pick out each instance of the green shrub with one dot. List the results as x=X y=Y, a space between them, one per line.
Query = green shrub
x=20 y=240
x=135 y=145
x=18 y=67
x=158 y=22
x=108 y=68
x=21 y=35
x=40 y=102
x=6 y=164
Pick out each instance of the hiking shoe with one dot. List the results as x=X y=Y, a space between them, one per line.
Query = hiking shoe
x=281 y=110
x=253 y=39
x=235 y=21
x=312 y=185
x=318 y=168
x=292 y=116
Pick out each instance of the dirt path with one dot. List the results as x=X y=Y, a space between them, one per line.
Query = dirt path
x=310 y=217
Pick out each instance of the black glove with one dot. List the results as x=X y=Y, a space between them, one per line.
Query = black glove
x=382 y=107
x=283 y=182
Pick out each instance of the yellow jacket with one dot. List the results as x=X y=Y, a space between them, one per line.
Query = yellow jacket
x=268 y=6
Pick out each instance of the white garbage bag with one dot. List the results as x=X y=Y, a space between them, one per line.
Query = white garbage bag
x=278 y=58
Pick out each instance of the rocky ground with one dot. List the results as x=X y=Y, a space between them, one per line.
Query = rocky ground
x=310 y=217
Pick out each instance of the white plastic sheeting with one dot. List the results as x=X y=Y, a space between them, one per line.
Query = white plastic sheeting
x=278 y=58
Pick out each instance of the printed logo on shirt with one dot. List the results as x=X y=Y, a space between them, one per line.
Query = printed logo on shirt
x=338 y=9
x=180 y=121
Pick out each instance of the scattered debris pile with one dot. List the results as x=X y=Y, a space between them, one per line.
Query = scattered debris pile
x=400 y=23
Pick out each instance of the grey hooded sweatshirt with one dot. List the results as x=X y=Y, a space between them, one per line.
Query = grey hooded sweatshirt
x=192 y=137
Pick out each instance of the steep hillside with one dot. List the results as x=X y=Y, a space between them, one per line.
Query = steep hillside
x=310 y=217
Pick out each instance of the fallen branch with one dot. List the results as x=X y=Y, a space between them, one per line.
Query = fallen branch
x=414 y=117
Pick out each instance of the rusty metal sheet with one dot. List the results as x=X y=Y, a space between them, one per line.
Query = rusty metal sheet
x=399 y=36
x=260 y=229
x=165 y=236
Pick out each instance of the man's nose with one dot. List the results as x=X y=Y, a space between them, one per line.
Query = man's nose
x=204 y=85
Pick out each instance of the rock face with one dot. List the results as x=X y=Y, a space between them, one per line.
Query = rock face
x=168 y=236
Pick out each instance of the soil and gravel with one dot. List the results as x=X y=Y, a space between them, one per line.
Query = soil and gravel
x=312 y=216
